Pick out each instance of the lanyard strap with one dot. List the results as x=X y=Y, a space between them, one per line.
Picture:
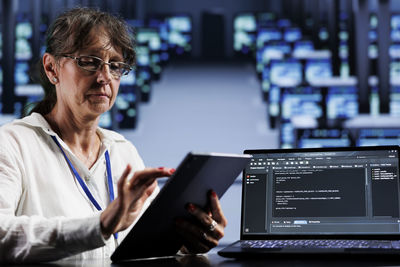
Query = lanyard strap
x=109 y=177
x=83 y=184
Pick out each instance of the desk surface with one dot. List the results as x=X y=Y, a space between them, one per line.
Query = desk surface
x=213 y=259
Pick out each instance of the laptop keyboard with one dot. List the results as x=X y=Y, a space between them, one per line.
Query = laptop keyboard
x=305 y=243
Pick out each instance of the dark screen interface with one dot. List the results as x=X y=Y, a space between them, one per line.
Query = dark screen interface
x=311 y=193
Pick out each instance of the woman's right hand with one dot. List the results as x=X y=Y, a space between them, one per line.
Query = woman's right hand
x=132 y=193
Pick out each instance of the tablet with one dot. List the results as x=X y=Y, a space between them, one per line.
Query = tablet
x=154 y=234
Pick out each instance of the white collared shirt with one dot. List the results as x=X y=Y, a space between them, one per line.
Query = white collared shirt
x=44 y=213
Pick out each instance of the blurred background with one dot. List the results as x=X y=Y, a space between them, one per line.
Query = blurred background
x=224 y=76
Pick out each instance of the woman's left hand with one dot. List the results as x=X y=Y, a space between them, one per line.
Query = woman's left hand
x=205 y=232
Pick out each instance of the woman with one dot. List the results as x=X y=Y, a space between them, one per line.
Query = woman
x=60 y=172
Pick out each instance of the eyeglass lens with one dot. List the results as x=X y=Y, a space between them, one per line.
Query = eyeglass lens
x=93 y=64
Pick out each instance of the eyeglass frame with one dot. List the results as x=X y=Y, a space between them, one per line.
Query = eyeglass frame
x=102 y=63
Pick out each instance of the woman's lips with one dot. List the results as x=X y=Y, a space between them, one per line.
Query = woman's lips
x=98 y=96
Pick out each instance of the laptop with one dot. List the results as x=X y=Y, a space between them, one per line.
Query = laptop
x=320 y=201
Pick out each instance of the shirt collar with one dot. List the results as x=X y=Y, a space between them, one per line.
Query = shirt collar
x=37 y=120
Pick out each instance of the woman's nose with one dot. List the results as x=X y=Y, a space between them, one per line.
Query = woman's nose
x=104 y=76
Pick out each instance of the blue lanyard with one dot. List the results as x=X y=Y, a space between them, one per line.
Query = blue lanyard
x=82 y=183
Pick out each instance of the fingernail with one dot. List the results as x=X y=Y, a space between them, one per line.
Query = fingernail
x=161 y=168
x=213 y=194
x=171 y=171
x=191 y=207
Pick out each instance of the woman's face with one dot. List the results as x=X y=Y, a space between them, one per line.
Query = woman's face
x=88 y=93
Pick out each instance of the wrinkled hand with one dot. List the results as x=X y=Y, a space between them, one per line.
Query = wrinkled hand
x=203 y=234
x=132 y=193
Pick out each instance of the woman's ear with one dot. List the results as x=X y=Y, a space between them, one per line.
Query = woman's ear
x=49 y=65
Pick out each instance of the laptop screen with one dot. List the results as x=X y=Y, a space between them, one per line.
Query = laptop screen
x=321 y=192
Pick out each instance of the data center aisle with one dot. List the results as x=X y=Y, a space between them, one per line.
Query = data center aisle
x=205 y=107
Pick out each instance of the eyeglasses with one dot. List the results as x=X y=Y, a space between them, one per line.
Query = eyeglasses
x=91 y=63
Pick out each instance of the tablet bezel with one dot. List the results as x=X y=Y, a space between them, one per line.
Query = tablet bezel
x=154 y=234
